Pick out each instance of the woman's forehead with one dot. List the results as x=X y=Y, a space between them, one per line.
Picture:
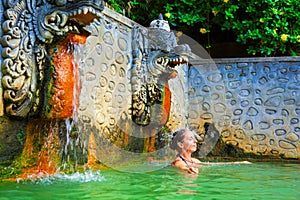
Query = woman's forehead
x=189 y=133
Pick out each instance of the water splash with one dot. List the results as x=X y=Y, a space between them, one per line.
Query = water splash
x=77 y=177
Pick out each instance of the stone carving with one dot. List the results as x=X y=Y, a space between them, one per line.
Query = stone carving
x=29 y=26
x=156 y=55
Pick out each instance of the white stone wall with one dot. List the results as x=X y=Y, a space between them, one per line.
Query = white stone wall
x=254 y=103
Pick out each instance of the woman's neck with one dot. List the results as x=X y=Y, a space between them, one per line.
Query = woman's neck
x=186 y=155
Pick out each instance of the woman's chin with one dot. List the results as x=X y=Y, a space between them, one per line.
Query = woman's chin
x=194 y=149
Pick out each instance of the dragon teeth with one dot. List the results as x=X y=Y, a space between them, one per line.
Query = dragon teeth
x=85 y=10
x=185 y=59
x=92 y=10
x=175 y=61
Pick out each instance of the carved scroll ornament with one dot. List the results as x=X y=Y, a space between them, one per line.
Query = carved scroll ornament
x=28 y=27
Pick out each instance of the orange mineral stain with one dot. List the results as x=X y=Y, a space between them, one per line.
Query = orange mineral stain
x=92 y=152
x=166 y=104
x=65 y=88
x=40 y=155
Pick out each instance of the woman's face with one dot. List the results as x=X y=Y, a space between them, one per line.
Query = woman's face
x=189 y=142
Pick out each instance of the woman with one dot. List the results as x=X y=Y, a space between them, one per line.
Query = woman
x=185 y=143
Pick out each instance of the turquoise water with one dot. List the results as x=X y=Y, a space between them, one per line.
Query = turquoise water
x=255 y=181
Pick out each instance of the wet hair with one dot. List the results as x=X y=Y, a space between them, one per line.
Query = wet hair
x=178 y=136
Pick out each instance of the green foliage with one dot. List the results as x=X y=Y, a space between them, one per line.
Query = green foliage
x=141 y=11
x=269 y=27
x=265 y=27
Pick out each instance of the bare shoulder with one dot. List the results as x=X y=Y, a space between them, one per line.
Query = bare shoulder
x=176 y=162
x=179 y=163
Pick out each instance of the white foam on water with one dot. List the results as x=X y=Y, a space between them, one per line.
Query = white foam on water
x=77 y=177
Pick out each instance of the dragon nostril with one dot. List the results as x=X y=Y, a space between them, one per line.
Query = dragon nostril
x=159 y=60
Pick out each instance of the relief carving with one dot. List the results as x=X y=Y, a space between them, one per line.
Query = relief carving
x=29 y=27
x=156 y=55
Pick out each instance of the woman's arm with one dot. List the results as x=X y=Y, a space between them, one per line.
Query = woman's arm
x=225 y=163
x=181 y=165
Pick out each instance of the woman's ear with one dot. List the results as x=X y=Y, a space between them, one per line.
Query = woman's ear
x=180 y=144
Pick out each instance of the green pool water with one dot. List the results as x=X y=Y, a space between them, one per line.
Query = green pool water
x=255 y=181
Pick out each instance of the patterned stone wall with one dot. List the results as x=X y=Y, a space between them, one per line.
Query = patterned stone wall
x=105 y=96
x=105 y=82
x=254 y=103
x=106 y=89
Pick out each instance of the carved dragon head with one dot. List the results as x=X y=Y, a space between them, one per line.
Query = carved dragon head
x=156 y=56
x=59 y=17
x=28 y=27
